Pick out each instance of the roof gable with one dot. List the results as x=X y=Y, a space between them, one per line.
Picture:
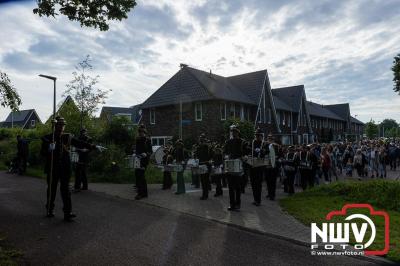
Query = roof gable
x=18 y=116
x=291 y=96
x=316 y=109
x=342 y=110
x=251 y=84
x=182 y=83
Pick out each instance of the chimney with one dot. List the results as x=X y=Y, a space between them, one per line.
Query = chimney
x=182 y=65
x=210 y=73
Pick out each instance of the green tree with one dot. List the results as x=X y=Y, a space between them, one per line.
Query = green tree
x=388 y=124
x=84 y=90
x=95 y=14
x=396 y=73
x=393 y=132
x=371 y=129
x=120 y=132
x=9 y=96
x=246 y=128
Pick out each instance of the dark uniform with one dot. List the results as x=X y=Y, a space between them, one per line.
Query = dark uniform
x=180 y=155
x=290 y=165
x=218 y=160
x=203 y=153
x=257 y=150
x=60 y=170
x=81 y=165
x=234 y=149
x=272 y=170
x=143 y=150
x=307 y=162
x=22 y=154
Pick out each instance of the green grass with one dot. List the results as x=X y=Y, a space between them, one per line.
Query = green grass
x=313 y=205
x=8 y=255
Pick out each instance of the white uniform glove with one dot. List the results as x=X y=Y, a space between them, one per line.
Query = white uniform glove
x=52 y=146
x=226 y=157
x=257 y=150
x=144 y=155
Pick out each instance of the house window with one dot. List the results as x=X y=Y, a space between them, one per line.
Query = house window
x=152 y=116
x=159 y=141
x=232 y=110
x=222 y=110
x=198 y=110
x=278 y=117
x=33 y=123
x=241 y=112
x=283 y=118
x=269 y=115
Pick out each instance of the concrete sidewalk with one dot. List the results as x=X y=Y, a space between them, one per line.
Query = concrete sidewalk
x=268 y=218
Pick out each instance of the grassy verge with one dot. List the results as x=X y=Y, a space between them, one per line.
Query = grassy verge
x=8 y=255
x=313 y=205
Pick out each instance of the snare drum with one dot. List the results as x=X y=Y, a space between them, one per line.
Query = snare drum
x=173 y=168
x=217 y=170
x=200 y=170
x=129 y=162
x=233 y=166
x=136 y=162
x=74 y=157
x=258 y=162
x=192 y=163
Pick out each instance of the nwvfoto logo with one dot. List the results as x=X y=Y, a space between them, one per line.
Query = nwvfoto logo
x=334 y=235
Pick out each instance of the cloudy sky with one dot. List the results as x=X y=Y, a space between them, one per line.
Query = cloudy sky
x=341 y=51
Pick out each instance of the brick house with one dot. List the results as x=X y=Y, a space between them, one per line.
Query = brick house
x=209 y=99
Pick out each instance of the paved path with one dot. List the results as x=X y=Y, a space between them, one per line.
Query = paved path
x=268 y=218
x=113 y=231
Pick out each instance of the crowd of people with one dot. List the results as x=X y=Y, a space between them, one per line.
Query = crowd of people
x=299 y=165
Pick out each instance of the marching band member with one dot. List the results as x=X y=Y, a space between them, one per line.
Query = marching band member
x=291 y=162
x=179 y=155
x=167 y=176
x=218 y=160
x=307 y=162
x=143 y=151
x=272 y=169
x=234 y=149
x=56 y=150
x=204 y=155
x=195 y=176
x=257 y=173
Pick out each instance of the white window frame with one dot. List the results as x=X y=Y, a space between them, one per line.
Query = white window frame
x=33 y=123
x=196 y=106
x=157 y=138
x=222 y=111
x=241 y=112
x=284 y=118
x=152 y=116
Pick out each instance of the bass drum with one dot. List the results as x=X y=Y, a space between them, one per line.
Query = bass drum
x=157 y=156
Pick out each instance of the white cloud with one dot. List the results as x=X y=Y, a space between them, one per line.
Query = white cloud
x=337 y=52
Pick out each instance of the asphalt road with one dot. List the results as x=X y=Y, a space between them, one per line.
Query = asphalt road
x=113 y=231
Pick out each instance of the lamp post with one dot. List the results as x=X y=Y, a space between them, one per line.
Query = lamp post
x=54 y=93
x=52 y=152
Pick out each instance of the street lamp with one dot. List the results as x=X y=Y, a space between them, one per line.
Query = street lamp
x=54 y=93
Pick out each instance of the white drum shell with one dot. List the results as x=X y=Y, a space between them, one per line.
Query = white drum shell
x=233 y=166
